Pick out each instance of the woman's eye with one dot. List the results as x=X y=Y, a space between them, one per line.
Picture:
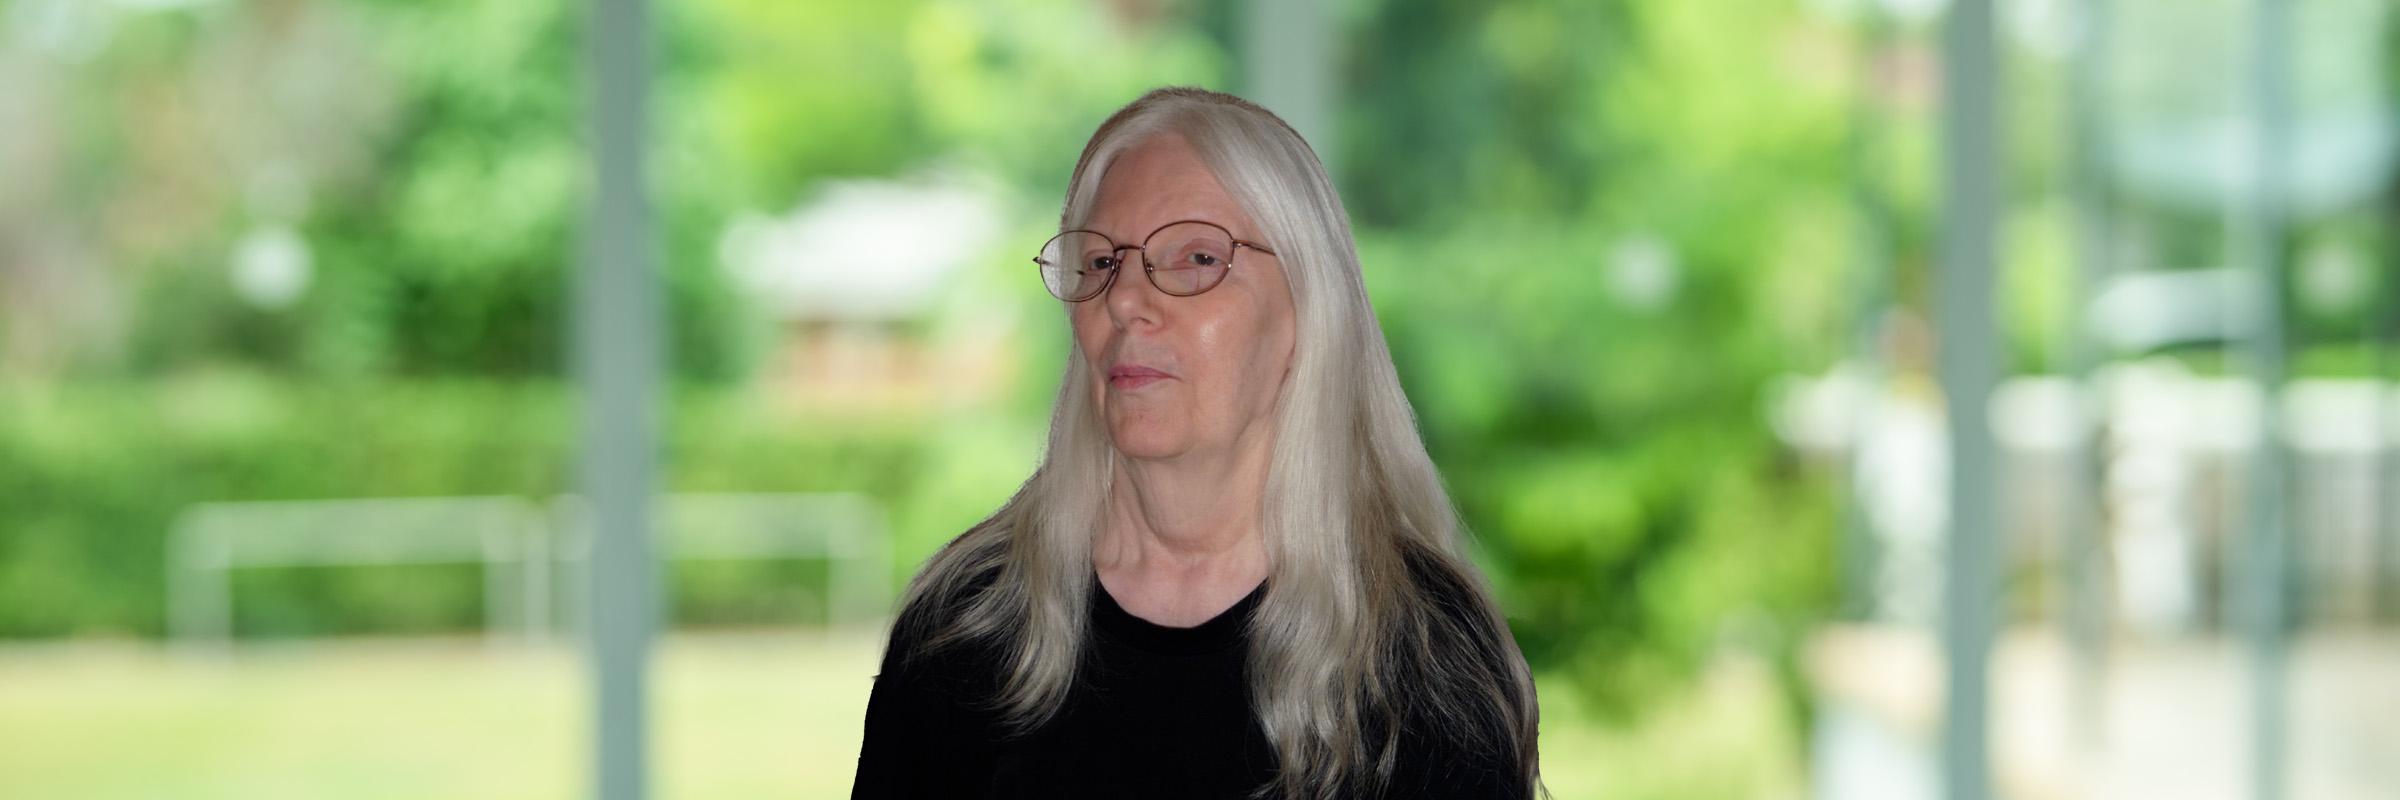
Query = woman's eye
x=1204 y=259
x=1102 y=264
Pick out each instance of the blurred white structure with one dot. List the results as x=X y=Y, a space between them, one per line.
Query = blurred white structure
x=880 y=292
x=865 y=250
x=521 y=546
x=2172 y=447
x=2167 y=715
x=211 y=540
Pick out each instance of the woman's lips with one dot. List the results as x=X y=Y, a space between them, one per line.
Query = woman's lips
x=1134 y=376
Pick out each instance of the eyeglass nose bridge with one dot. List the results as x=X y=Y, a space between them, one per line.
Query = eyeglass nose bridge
x=1116 y=252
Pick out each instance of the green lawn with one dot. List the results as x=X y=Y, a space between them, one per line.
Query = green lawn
x=736 y=716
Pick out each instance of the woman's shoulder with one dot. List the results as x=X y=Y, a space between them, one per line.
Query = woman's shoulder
x=931 y=614
x=947 y=591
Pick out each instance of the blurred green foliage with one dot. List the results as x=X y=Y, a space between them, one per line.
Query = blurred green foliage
x=98 y=473
x=1594 y=232
x=1613 y=240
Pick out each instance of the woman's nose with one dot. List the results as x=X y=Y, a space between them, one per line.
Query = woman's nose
x=1132 y=296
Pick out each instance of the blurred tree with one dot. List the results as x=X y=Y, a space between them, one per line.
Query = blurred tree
x=1452 y=105
x=1620 y=221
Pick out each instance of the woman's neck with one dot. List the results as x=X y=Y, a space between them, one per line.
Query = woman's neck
x=1181 y=540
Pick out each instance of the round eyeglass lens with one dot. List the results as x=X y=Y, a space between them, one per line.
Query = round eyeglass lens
x=1076 y=264
x=1189 y=257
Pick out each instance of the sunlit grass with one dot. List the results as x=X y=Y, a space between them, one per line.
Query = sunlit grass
x=736 y=716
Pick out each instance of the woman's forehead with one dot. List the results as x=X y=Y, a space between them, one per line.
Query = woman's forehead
x=1159 y=181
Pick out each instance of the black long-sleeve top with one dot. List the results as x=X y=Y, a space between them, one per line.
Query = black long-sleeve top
x=1156 y=712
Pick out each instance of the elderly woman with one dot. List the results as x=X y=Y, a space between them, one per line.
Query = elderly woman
x=1235 y=573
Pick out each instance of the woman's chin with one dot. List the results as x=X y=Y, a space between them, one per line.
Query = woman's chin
x=1146 y=442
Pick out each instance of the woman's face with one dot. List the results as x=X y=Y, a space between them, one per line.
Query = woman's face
x=1223 y=353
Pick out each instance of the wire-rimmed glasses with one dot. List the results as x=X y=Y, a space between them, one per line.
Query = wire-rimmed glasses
x=1078 y=265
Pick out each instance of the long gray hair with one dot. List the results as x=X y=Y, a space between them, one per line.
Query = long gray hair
x=1371 y=611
